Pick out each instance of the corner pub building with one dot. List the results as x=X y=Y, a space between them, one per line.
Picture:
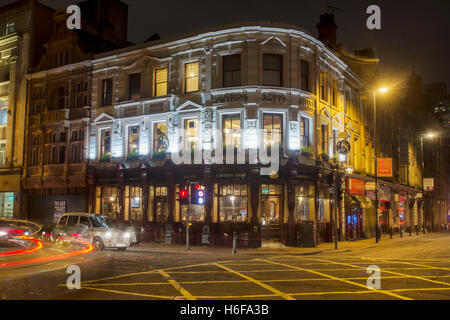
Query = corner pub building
x=233 y=80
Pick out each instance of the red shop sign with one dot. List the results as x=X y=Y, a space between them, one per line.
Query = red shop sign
x=355 y=186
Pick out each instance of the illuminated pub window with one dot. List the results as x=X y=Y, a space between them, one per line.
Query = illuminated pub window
x=191 y=133
x=233 y=203
x=6 y=204
x=135 y=202
x=271 y=203
x=110 y=202
x=273 y=129
x=191 y=77
x=159 y=135
x=304 y=131
x=304 y=203
x=133 y=139
x=161 y=80
x=231 y=129
x=105 y=142
x=160 y=204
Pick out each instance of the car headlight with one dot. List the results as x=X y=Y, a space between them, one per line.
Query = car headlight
x=26 y=233
x=127 y=235
x=108 y=235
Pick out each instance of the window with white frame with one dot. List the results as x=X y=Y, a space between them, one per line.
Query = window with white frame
x=105 y=143
x=304 y=131
x=231 y=130
x=190 y=133
x=161 y=81
x=133 y=140
x=273 y=129
x=160 y=139
x=191 y=77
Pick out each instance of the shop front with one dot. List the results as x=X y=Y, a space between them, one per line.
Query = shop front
x=359 y=210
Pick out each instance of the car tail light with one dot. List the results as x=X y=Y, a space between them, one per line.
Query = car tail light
x=76 y=235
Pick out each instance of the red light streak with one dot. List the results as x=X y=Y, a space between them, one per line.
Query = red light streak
x=38 y=247
x=54 y=257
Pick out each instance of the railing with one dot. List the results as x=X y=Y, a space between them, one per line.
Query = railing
x=53 y=169
x=57 y=115
x=78 y=113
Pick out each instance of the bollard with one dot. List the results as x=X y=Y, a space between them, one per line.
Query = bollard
x=401 y=232
x=392 y=232
x=234 y=242
x=187 y=235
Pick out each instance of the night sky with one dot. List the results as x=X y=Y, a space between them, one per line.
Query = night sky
x=413 y=32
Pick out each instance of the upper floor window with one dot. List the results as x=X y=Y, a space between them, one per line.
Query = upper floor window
x=5 y=70
x=133 y=139
x=323 y=87
x=304 y=75
x=160 y=136
x=107 y=92
x=10 y=28
x=57 y=148
x=304 y=131
x=273 y=128
x=191 y=79
x=232 y=70
x=231 y=130
x=35 y=145
x=324 y=132
x=334 y=142
x=334 y=93
x=161 y=81
x=3 y=116
x=2 y=153
x=59 y=98
x=134 y=82
x=105 y=142
x=272 y=73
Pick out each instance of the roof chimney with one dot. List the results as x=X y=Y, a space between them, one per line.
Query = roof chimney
x=327 y=28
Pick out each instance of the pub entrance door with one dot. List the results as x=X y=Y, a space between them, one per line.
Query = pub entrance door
x=271 y=212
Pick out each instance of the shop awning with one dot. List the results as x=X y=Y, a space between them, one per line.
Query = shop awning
x=361 y=201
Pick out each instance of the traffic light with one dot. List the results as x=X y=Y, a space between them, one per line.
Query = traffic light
x=197 y=194
x=183 y=196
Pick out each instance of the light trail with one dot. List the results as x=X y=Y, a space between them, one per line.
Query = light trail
x=89 y=248
x=38 y=247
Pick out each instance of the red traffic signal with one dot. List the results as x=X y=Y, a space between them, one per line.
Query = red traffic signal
x=183 y=196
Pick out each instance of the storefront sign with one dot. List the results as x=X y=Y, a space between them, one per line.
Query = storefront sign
x=273 y=98
x=370 y=186
x=59 y=208
x=384 y=167
x=428 y=184
x=231 y=175
x=355 y=186
x=230 y=97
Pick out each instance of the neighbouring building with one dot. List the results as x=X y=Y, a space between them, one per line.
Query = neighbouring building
x=58 y=114
x=24 y=28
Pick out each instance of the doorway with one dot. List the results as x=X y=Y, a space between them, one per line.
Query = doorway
x=271 y=212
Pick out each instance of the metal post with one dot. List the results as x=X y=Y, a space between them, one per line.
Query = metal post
x=187 y=231
x=234 y=242
x=335 y=208
x=423 y=175
x=375 y=158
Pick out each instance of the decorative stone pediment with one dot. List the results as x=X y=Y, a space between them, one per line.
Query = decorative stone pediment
x=324 y=112
x=275 y=40
x=104 y=117
x=189 y=105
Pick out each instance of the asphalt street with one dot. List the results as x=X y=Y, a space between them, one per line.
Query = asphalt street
x=412 y=267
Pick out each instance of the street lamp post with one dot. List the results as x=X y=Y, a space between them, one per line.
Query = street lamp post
x=428 y=135
x=375 y=159
x=377 y=232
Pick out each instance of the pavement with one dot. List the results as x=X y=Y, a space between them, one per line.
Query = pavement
x=412 y=267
